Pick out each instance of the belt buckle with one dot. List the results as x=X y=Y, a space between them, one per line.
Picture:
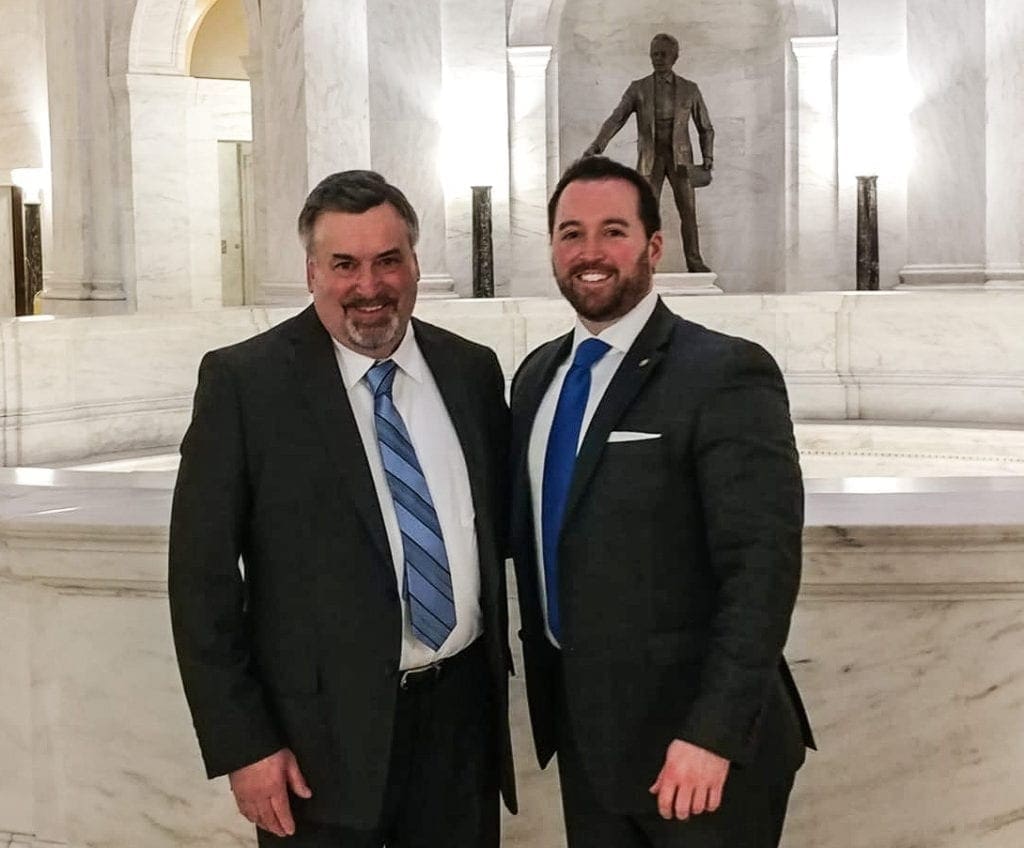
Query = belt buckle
x=413 y=673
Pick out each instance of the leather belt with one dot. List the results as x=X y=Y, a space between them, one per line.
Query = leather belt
x=424 y=675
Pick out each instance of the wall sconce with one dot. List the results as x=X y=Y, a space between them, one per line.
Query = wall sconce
x=867 y=233
x=30 y=181
x=483 y=243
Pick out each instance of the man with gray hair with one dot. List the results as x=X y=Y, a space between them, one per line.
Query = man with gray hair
x=664 y=104
x=351 y=678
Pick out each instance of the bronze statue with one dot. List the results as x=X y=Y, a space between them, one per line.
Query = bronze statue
x=664 y=103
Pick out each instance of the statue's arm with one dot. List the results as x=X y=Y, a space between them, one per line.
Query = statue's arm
x=705 y=132
x=614 y=123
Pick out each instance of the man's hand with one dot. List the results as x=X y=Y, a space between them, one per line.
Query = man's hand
x=709 y=163
x=261 y=791
x=690 y=782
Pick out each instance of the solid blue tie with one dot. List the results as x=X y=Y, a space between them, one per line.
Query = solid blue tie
x=559 y=461
x=428 y=581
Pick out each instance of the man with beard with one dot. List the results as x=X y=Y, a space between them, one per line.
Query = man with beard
x=352 y=680
x=657 y=517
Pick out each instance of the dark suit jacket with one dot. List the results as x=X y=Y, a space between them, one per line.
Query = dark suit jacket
x=304 y=652
x=679 y=563
x=639 y=99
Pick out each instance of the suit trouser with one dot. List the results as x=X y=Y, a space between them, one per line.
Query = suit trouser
x=443 y=776
x=682 y=191
x=751 y=815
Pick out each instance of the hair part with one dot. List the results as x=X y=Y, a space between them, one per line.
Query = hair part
x=354 y=192
x=595 y=168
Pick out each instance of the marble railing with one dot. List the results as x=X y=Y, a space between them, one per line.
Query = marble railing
x=71 y=388
x=907 y=642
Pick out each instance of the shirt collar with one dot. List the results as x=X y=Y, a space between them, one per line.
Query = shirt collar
x=664 y=76
x=354 y=365
x=623 y=332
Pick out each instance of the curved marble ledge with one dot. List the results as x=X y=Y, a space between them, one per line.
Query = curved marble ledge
x=906 y=643
x=864 y=531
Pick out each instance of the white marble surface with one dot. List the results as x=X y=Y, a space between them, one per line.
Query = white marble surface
x=6 y=253
x=405 y=113
x=872 y=93
x=23 y=130
x=529 y=185
x=475 y=138
x=905 y=643
x=79 y=387
x=812 y=192
x=946 y=184
x=1004 y=74
x=159 y=106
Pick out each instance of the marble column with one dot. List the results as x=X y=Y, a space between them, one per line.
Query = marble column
x=475 y=137
x=1004 y=25
x=405 y=121
x=872 y=83
x=6 y=254
x=312 y=119
x=814 y=193
x=531 y=274
x=158 y=107
x=946 y=180
x=84 y=261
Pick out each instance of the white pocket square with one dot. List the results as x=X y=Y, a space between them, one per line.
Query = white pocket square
x=631 y=436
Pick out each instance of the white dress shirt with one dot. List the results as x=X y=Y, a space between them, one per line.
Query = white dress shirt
x=419 y=402
x=620 y=336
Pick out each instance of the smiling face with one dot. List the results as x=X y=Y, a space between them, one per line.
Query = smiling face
x=602 y=259
x=362 y=273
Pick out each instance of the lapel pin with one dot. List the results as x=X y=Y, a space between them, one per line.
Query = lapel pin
x=643 y=362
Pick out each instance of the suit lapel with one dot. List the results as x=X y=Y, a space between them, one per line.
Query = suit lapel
x=320 y=380
x=531 y=384
x=442 y=361
x=530 y=387
x=640 y=363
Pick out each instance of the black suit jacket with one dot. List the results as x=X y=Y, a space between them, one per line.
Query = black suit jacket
x=304 y=651
x=679 y=563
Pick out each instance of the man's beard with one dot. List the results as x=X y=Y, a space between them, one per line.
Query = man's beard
x=373 y=336
x=607 y=304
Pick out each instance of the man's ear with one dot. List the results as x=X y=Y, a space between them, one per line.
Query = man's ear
x=655 y=248
x=309 y=274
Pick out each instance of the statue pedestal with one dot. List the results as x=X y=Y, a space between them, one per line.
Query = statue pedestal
x=673 y=284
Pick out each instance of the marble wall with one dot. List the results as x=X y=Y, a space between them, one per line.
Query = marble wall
x=1004 y=75
x=946 y=183
x=475 y=140
x=24 y=122
x=405 y=111
x=73 y=388
x=735 y=52
x=6 y=253
x=906 y=644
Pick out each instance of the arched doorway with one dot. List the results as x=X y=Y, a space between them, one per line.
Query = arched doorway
x=187 y=107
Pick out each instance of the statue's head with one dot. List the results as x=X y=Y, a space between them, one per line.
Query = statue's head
x=664 y=51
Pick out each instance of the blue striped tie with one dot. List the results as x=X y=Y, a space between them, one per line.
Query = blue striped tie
x=559 y=462
x=428 y=582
